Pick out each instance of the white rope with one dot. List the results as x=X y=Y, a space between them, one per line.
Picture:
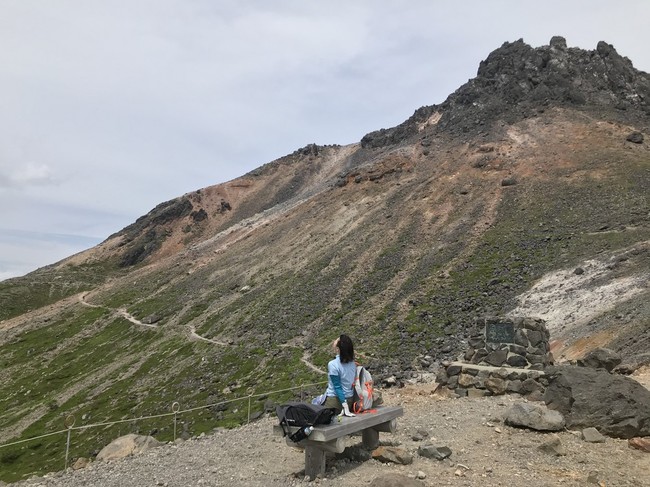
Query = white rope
x=162 y=415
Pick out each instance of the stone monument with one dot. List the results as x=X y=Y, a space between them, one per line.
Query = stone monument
x=508 y=355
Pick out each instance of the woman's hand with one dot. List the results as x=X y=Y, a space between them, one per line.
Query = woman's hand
x=346 y=411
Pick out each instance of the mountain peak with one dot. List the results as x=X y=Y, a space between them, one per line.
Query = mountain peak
x=516 y=81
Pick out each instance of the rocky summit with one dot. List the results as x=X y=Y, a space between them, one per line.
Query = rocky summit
x=523 y=195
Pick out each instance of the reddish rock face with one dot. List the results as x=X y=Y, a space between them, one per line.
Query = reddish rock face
x=642 y=444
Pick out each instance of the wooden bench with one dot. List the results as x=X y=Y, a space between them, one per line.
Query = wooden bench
x=331 y=437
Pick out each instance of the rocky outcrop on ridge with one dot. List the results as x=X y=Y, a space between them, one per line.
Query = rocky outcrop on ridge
x=516 y=80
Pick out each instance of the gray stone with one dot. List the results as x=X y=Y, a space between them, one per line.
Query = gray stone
x=594 y=478
x=592 y=435
x=497 y=358
x=514 y=386
x=534 y=337
x=618 y=406
x=81 y=462
x=466 y=380
x=521 y=338
x=423 y=433
x=601 y=358
x=530 y=385
x=355 y=453
x=534 y=416
x=479 y=356
x=127 y=445
x=518 y=349
x=436 y=452
x=475 y=342
x=558 y=42
x=461 y=392
x=483 y=375
x=395 y=480
x=501 y=373
x=495 y=385
x=477 y=393
x=635 y=137
x=471 y=371
x=454 y=370
x=553 y=446
x=516 y=360
x=535 y=396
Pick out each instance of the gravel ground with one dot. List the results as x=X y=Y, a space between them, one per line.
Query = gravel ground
x=486 y=453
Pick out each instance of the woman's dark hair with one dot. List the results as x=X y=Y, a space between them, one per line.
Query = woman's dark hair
x=346 y=349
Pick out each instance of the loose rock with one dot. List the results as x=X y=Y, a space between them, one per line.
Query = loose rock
x=395 y=480
x=534 y=416
x=391 y=454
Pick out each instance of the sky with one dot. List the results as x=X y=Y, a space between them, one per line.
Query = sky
x=110 y=107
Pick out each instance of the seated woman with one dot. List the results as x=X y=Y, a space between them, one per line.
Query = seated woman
x=341 y=372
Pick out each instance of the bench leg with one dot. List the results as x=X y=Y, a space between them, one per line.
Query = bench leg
x=370 y=438
x=314 y=462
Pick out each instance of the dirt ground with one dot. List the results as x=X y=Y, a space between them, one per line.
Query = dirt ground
x=485 y=452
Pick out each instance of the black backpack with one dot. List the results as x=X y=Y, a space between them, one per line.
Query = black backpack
x=300 y=414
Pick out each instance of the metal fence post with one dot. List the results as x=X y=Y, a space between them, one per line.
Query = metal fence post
x=69 y=423
x=249 y=407
x=175 y=408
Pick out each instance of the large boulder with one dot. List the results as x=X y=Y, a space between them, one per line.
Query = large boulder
x=127 y=445
x=616 y=405
x=601 y=358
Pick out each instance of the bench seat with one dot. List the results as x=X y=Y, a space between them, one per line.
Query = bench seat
x=331 y=437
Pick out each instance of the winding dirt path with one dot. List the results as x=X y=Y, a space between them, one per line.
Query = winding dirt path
x=195 y=336
x=122 y=312
x=305 y=360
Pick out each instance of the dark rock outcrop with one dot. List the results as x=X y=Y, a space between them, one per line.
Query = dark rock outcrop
x=516 y=81
x=618 y=406
x=601 y=358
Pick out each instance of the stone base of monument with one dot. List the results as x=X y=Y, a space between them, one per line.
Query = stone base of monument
x=484 y=380
x=509 y=356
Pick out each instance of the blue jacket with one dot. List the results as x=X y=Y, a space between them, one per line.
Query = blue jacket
x=341 y=377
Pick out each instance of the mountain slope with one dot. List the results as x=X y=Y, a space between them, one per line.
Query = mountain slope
x=486 y=204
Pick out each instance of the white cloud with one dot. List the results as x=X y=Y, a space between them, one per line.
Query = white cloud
x=27 y=174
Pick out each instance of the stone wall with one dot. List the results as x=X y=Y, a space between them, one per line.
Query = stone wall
x=479 y=380
x=508 y=356
x=511 y=342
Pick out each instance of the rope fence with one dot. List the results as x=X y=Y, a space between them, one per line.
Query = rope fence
x=175 y=412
